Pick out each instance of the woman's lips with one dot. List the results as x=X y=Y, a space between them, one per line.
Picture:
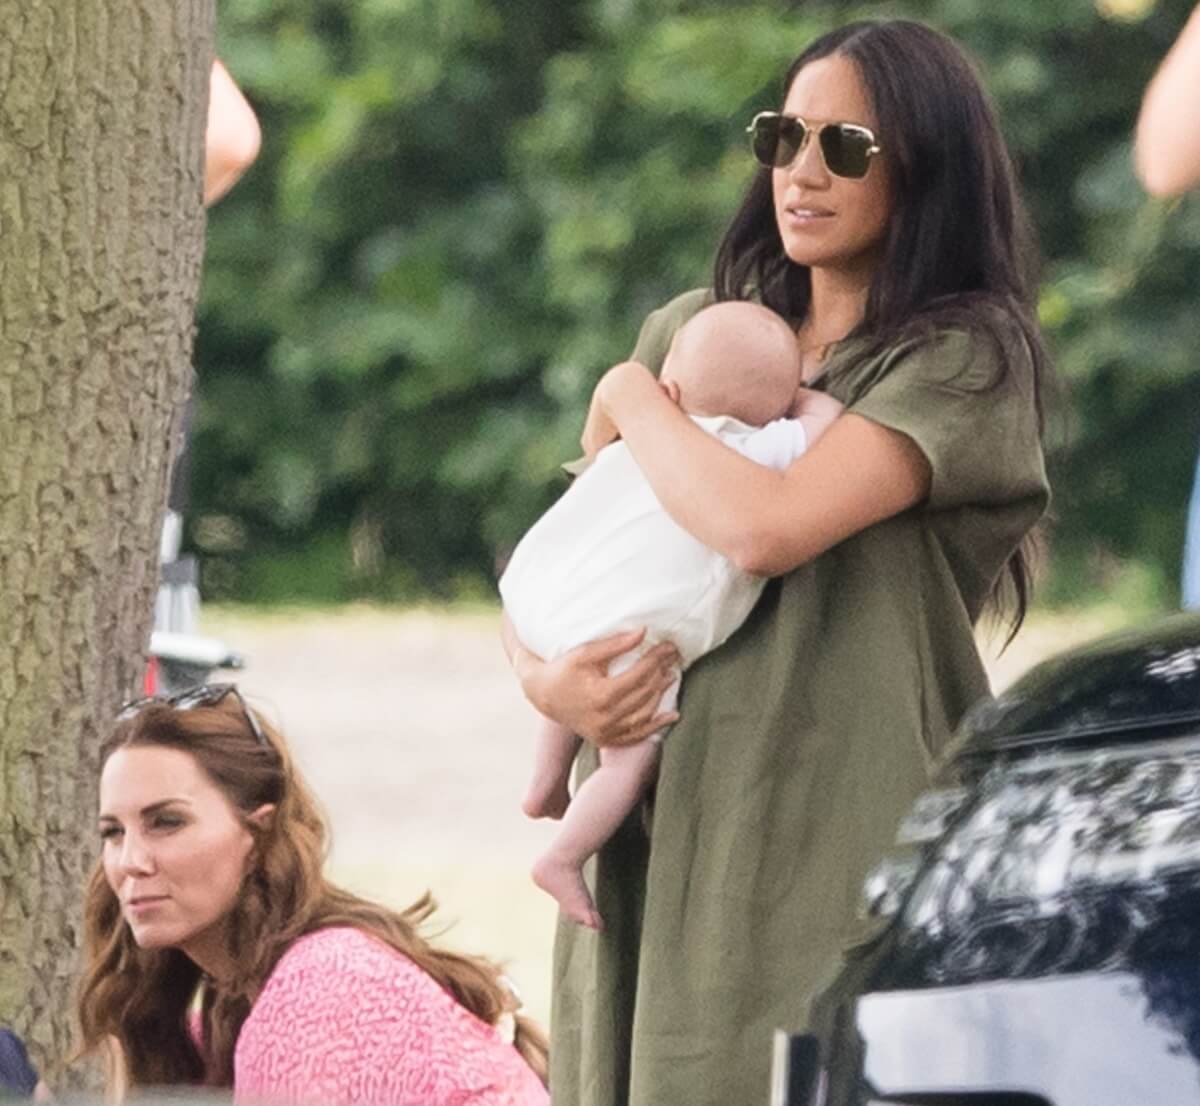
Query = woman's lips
x=799 y=215
x=144 y=903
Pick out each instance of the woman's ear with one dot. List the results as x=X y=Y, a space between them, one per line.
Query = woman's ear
x=263 y=817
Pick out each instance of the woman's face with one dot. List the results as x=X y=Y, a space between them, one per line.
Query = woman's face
x=174 y=849
x=829 y=222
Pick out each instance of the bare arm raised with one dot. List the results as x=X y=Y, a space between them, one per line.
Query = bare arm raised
x=1167 y=146
x=232 y=136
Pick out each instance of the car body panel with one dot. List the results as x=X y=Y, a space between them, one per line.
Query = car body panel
x=1066 y=1039
x=1038 y=926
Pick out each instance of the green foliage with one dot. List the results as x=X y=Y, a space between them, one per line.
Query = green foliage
x=464 y=209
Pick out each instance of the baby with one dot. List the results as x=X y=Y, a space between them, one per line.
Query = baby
x=607 y=558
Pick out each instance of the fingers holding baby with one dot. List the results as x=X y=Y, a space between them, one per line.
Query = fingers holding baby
x=735 y=359
x=742 y=360
x=815 y=411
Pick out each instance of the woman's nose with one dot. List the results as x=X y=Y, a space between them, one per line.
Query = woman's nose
x=135 y=857
x=808 y=165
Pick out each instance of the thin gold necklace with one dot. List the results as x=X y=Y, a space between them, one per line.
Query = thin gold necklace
x=810 y=366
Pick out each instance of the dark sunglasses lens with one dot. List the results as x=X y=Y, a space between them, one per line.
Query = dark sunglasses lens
x=776 y=140
x=846 y=151
x=203 y=695
x=764 y=135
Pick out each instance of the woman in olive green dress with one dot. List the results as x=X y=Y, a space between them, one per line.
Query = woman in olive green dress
x=887 y=225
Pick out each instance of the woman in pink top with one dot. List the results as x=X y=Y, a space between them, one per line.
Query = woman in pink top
x=210 y=886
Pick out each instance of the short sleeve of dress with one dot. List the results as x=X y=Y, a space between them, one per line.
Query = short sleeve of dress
x=977 y=426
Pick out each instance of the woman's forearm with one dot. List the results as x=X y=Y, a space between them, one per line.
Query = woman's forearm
x=720 y=497
x=767 y=522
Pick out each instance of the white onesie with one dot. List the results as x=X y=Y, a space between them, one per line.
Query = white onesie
x=607 y=558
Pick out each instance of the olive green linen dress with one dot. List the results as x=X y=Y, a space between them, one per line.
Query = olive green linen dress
x=802 y=742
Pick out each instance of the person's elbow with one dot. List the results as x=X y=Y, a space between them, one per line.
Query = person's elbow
x=1164 y=181
x=1166 y=163
x=228 y=156
x=241 y=148
x=233 y=147
x=1155 y=174
x=759 y=535
x=760 y=552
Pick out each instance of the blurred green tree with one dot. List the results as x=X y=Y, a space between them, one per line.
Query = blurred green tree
x=372 y=318
x=465 y=209
x=1122 y=274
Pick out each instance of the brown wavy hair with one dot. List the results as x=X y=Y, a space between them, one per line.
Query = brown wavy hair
x=139 y=999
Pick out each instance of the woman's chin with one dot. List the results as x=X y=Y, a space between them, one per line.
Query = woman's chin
x=152 y=936
x=812 y=257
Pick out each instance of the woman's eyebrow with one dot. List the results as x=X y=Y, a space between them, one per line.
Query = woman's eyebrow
x=146 y=811
x=154 y=808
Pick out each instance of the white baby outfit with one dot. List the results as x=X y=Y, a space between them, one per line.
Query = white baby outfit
x=607 y=557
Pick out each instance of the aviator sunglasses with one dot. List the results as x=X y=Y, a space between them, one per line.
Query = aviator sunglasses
x=846 y=148
x=204 y=695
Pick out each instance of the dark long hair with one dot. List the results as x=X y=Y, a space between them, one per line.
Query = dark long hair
x=139 y=999
x=959 y=249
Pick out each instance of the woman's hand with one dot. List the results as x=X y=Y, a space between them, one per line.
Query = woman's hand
x=601 y=427
x=815 y=411
x=576 y=690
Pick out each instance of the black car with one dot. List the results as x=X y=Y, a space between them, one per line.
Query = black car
x=1039 y=922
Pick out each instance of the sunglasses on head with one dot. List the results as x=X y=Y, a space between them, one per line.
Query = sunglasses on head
x=204 y=695
x=846 y=148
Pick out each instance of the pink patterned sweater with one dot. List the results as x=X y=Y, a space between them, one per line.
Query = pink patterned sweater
x=344 y=1020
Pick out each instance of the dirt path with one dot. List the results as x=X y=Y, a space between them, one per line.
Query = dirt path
x=415 y=736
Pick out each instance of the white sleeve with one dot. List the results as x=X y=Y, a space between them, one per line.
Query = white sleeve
x=775 y=445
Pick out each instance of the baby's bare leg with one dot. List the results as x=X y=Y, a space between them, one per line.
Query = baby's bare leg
x=548 y=793
x=598 y=808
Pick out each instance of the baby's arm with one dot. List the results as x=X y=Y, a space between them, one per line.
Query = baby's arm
x=815 y=411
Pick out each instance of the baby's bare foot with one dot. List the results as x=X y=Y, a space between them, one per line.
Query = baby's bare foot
x=565 y=882
x=546 y=800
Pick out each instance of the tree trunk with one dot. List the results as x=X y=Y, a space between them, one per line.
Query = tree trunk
x=102 y=112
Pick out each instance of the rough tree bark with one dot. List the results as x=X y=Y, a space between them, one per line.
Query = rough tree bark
x=102 y=108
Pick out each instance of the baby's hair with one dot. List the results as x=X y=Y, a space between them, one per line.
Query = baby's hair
x=735 y=358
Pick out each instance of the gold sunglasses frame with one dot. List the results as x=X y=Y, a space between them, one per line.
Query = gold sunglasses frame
x=810 y=130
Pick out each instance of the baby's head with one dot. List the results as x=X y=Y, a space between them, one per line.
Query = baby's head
x=735 y=358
